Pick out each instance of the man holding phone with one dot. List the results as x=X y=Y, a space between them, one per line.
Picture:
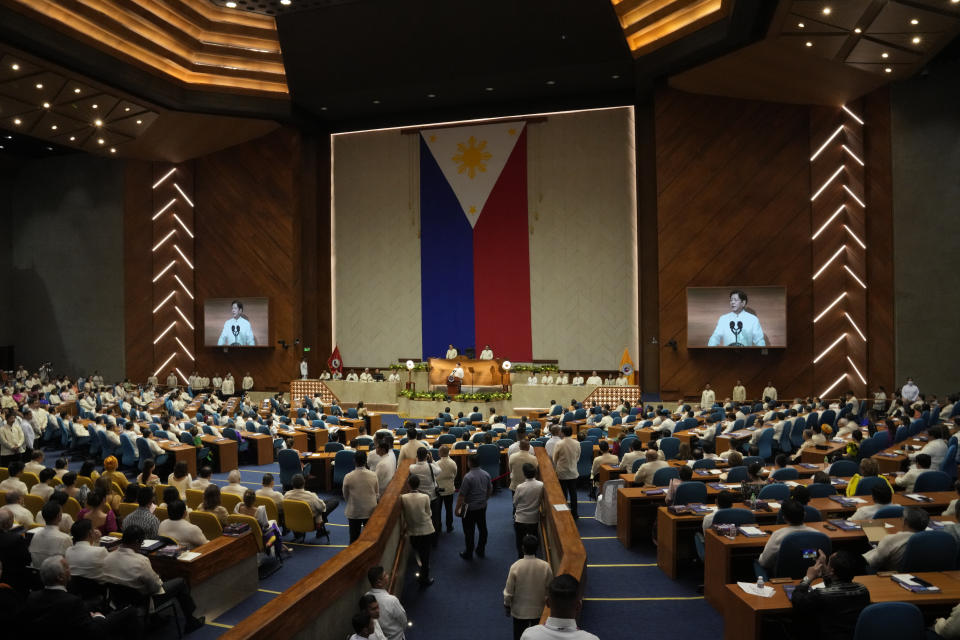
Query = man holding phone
x=831 y=612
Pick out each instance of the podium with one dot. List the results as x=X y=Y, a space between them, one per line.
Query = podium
x=453 y=386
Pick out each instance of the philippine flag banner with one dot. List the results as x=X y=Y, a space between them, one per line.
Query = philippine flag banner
x=474 y=247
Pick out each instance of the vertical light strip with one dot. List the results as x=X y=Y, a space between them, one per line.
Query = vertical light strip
x=855 y=237
x=166 y=175
x=164 y=332
x=854 y=276
x=854 y=196
x=189 y=324
x=828 y=349
x=185 y=380
x=833 y=386
x=827 y=183
x=180 y=191
x=184 y=347
x=829 y=220
x=824 y=145
x=827 y=263
x=162 y=209
x=830 y=306
x=180 y=222
x=164 y=301
x=852 y=114
x=164 y=270
x=189 y=264
x=855 y=327
x=180 y=282
x=165 y=363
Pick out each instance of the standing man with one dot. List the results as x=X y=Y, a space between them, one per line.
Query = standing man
x=526 y=590
x=452 y=353
x=393 y=618
x=770 y=392
x=228 y=388
x=487 y=353
x=303 y=369
x=910 y=392
x=445 y=484
x=563 y=598
x=417 y=514
x=360 y=490
x=247 y=383
x=526 y=507
x=11 y=439
x=475 y=490
x=707 y=398
x=565 y=456
x=428 y=470
x=880 y=400
x=739 y=392
x=458 y=373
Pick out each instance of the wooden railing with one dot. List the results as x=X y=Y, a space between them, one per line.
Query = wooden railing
x=561 y=538
x=321 y=604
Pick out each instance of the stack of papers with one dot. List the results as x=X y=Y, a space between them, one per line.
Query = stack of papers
x=751 y=532
x=751 y=588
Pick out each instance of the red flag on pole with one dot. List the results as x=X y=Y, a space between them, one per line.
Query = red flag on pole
x=334 y=362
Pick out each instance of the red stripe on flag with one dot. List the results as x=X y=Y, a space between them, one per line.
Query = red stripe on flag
x=501 y=263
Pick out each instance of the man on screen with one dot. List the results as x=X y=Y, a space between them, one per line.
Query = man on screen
x=237 y=331
x=739 y=328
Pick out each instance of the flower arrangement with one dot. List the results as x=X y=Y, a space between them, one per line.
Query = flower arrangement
x=422 y=395
x=483 y=397
x=535 y=368
x=417 y=366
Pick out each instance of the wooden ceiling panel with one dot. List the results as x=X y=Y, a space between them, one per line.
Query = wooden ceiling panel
x=901 y=18
x=798 y=24
x=844 y=14
x=825 y=46
x=869 y=52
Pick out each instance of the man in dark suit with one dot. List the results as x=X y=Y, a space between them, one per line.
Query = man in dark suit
x=14 y=553
x=53 y=612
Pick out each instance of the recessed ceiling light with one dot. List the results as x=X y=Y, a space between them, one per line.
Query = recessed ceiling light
x=826 y=11
x=49 y=148
x=53 y=127
x=1 y=146
x=801 y=25
x=285 y=2
x=489 y=88
x=809 y=44
x=17 y=121
x=113 y=150
x=39 y=85
x=139 y=121
x=884 y=55
x=72 y=138
x=126 y=108
x=323 y=108
x=15 y=66
x=615 y=76
x=94 y=106
x=431 y=95
x=9 y=137
x=100 y=140
x=916 y=40
x=376 y=102
x=888 y=70
x=77 y=90
x=231 y=5
x=98 y=122
x=858 y=30
x=550 y=83
x=914 y=21
x=46 y=105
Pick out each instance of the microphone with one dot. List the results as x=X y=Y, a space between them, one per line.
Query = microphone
x=736 y=328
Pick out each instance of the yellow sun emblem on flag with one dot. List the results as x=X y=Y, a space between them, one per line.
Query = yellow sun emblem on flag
x=472 y=157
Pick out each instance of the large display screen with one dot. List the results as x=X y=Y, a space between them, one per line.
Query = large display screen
x=736 y=316
x=236 y=322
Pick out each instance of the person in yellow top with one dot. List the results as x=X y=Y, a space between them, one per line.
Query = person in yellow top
x=868 y=469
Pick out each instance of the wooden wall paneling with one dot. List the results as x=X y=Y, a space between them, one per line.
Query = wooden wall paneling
x=137 y=274
x=246 y=228
x=321 y=316
x=645 y=149
x=881 y=352
x=174 y=321
x=733 y=209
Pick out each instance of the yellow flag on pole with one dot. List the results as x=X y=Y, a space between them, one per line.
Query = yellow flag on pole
x=630 y=372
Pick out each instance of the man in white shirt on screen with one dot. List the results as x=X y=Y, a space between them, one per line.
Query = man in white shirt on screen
x=739 y=328
x=237 y=331
x=452 y=353
x=487 y=353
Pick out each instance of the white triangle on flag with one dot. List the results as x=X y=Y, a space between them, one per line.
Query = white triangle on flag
x=472 y=158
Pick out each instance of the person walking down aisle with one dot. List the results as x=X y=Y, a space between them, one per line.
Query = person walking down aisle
x=475 y=491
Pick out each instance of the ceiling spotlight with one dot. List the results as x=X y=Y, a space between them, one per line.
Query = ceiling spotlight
x=858 y=30
x=884 y=55
x=113 y=149
x=888 y=70
x=550 y=83
x=376 y=102
x=8 y=137
x=39 y=85
x=826 y=11
x=285 y=3
x=53 y=127
x=323 y=108
x=72 y=138
x=801 y=25
x=77 y=90
x=2 y=147
x=49 y=148
x=17 y=121
x=489 y=89
x=431 y=95
x=914 y=21
x=46 y=105
x=15 y=66
x=809 y=44
x=615 y=76
x=98 y=122
x=231 y=5
x=916 y=40
x=126 y=108
x=100 y=140
x=94 y=106
x=139 y=121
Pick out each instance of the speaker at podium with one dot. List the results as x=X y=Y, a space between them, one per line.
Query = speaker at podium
x=453 y=385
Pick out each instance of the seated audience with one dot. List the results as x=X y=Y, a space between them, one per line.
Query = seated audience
x=793 y=513
x=889 y=551
x=831 y=613
x=178 y=528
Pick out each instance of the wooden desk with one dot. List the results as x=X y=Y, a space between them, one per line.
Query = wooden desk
x=743 y=613
x=722 y=554
x=376 y=421
x=181 y=452
x=224 y=575
x=732 y=440
x=321 y=470
x=817 y=454
x=530 y=413
x=316 y=438
x=224 y=452
x=891 y=459
x=299 y=438
x=262 y=445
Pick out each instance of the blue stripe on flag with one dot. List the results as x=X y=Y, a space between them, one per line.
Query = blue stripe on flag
x=446 y=263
